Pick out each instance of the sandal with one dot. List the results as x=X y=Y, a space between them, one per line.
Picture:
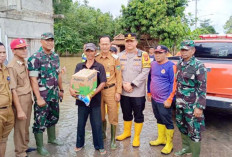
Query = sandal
x=78 y=149
x=102 y=151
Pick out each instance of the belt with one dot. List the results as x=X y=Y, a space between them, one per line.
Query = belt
x=109 y=86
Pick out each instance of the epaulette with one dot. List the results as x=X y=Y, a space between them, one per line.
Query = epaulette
x=19 y=62
x=97 y=54
x=115 y=56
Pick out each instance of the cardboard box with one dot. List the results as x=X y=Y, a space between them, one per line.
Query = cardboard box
x=84 y=81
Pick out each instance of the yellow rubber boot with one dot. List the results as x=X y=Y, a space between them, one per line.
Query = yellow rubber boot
x=138 y=129
x=161 y=136
x=127 y=131
x=169 y=145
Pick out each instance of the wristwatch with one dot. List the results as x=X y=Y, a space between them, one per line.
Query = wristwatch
x=61 y=90
x=132 y=84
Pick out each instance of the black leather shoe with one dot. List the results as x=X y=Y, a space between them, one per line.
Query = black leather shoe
x=30 y=149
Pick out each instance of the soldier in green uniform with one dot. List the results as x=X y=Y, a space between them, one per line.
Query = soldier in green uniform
x=190 y=99
x=46 y=81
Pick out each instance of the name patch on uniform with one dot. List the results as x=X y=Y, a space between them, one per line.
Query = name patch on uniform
x=107 y=74
x=123 y=59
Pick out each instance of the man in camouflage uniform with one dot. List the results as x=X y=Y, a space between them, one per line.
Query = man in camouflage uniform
x=190 y=99
x=44 y=72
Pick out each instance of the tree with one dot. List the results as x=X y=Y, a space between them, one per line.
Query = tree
x=61 y=6
x=81 y=24
x=205 y=24
x=159 y=19
x=228 y=25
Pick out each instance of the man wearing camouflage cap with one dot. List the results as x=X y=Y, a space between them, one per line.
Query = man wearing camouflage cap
x=190 y=99
x=46 y=81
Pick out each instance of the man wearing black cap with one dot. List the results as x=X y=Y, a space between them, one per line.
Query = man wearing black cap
x=46 y=82
x=94 y=109
x=135 y=65
x=161 y=90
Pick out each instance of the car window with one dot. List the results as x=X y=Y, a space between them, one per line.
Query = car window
x=214 y=50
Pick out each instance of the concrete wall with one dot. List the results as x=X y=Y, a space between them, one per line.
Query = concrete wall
x=26 y=19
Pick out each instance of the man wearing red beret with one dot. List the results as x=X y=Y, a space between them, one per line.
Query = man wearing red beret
x=22 y=96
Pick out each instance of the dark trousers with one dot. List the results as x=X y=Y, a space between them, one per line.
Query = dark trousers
x=96 y=124
x=162 y=114
x=133 y=105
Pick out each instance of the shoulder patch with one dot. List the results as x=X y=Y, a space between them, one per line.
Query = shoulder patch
x=146 y=60
x=97 y=54
x=115 y=56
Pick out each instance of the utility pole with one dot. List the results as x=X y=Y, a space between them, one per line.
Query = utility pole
x=196 y=14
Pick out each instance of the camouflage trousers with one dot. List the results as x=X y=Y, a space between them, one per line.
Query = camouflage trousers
x=188 y=124
x=46 y=116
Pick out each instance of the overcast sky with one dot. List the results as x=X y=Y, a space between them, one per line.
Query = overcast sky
x=218 y=11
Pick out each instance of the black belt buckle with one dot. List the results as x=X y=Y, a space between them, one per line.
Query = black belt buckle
x=109 y=86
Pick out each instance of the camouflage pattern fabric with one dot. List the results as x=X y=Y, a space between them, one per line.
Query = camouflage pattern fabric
x=191 y=93
x=46 y=116
x=189 y=124
x=47 y=67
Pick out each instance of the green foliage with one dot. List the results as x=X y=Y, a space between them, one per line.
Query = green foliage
x=82 y=24
x=194 y=35
x=67 y=40
x=228 y=25
x=61 y=6
x=205 y=24
x=161 y=19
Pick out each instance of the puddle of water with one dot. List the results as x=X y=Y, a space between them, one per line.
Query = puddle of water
x=216 y=140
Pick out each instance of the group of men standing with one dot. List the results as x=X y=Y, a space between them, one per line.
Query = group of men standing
x=126 y=75
x=19 y=80
x=121 y=78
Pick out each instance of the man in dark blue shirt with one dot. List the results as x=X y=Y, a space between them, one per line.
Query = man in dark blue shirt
x=94 y=109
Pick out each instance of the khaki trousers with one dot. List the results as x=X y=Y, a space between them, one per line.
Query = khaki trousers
x=108 y=99
x=6 y=125
x=21 y=127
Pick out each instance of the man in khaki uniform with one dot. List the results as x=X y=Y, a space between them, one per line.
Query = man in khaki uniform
x=135 y=65
x=22 y=96
x=6 y=112
x=111 y=94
